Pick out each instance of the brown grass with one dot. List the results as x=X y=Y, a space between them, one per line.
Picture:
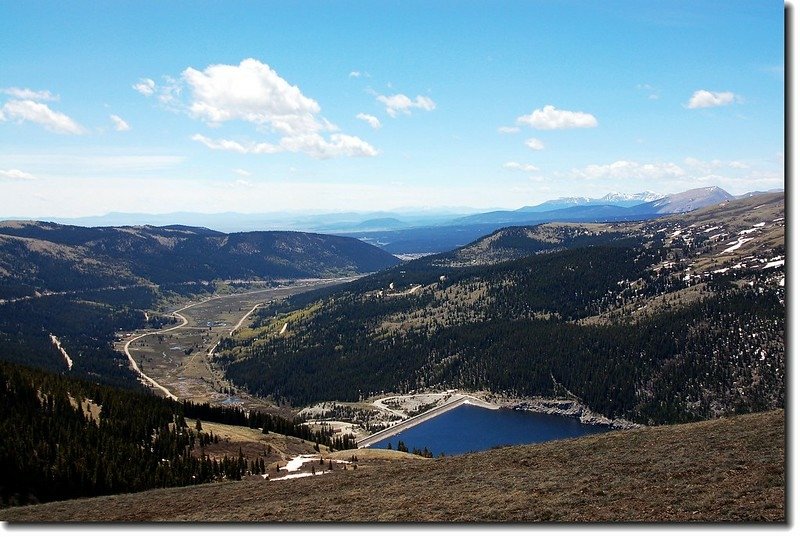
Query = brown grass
x=720 y=470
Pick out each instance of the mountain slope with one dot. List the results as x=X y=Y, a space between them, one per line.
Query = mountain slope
x=726 y=470
x=613 y=207
x=610 y=208
x=691 y=200
x=620 y=316
x=37 y=256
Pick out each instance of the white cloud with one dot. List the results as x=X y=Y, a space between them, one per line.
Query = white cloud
x=119 y=123
x=374 y=122
x=530 y=168
x=706 y=166
x=145 y=86
x=508 y=130
x=359 y=74
x=706 y=99
x=550 y=118
x=400 y=103
x=15 y=174
x=230 y=145
x=25 y=93
x=241 y=172
x=312 y=144
x=40 y=113
x=626 y=169
x=535 y=144
x=251 y=92
x=254 y=93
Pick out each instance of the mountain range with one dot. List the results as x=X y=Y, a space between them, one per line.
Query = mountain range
x=622 y=316
x=399 y=220
x=42 y=256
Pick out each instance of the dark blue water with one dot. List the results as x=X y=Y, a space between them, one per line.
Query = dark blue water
x=471 y=428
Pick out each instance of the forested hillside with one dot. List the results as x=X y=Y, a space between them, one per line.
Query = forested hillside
x=82 y=285
x=657 y=322
x=45 y=257
x=66 y=438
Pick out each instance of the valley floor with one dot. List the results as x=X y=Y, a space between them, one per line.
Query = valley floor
x=725 y=470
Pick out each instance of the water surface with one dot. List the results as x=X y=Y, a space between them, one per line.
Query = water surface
x=471 y=428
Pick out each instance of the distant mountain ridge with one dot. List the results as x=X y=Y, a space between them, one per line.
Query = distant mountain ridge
x=47 y=256
x=612 y=198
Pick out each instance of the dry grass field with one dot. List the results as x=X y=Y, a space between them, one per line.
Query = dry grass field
x=179 y=359
x=726 y=470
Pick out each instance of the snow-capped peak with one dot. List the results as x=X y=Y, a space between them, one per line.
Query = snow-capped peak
x=644 y=197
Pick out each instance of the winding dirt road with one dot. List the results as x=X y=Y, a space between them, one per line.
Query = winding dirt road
x=135 y=366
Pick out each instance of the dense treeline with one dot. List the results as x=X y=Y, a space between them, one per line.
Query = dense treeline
x=65 y=438
x=86 y=330
x=511 y=328
x=688 y=364
x=52 y=257
x=267 y=423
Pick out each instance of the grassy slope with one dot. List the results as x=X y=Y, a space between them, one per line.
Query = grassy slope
x=722 y=470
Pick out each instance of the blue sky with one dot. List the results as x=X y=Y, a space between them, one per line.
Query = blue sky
x=333 y=106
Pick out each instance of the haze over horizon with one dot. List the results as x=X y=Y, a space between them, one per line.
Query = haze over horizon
x=324 y=108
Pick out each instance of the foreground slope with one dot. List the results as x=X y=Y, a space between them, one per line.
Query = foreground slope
x=730 y=469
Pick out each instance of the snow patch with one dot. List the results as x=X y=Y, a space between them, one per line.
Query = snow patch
x=57 y=343
x=738 y=244
x=773 y=264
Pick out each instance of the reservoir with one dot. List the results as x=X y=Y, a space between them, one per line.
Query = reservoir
x=472 y=428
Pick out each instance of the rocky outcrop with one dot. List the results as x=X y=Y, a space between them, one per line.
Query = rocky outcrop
x=565 y=407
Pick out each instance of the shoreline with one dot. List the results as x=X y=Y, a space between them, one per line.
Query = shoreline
x=462 y=399
x=540 y=405
x=568 y=408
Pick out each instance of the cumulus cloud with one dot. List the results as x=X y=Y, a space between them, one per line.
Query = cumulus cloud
x=119 y=124
x=374 y=122
x=508 y=130
x=241 y=172
x=400 y=103
x=626 y=169
x=254 y=93
x=551 y=118
x=28 y=94
x=707 y=99
x=40 y=113
x=535 y=144
x=16 y=174
x=530 y=168
x=145 y=86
